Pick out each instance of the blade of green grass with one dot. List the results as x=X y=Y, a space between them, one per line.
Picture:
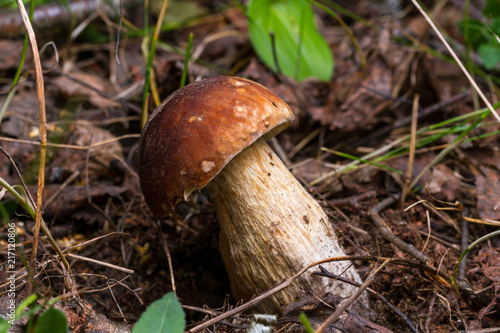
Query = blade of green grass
x=186 y=60
x=355 y=158
x=149 y=65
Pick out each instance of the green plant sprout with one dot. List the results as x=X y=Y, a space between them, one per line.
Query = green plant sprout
x=49 y=320
x=186 y=61
x=162 y=316
x=483 y=37
x=305 y=322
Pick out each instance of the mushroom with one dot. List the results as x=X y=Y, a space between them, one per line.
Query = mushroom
x=213 y=132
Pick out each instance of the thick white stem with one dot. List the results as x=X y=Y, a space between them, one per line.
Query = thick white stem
x=271 y=228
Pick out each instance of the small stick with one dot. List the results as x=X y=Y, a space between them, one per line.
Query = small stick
x=438 y=276
x=214 y=313
x=388 y=235
x=102 y=263
x=326 y=273
x=464 y=244
x=167 y=253
x=411 y=154
x=90 y=241
x=431 y=307
x=263 y=296
x=345 y=304
x=66 y=146
x=354 y=200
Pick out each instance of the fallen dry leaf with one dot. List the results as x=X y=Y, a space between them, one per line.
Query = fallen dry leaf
x=488 y=194
x=366 y=94
x=11 y=53
x=367 y=100
x=443 y=183
x=72 y=87
x=487 y=259
x=101 y=157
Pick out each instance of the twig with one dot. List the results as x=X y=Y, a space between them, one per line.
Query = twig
x=464 y=244
x=484 y=330
x=102 y=263
x=411 y=154
x=263 y=296
x=214 y=313
x=90 y=241
x=61 y=145
x=345 y=304
x=353 y=201
x=431 y=307
x=326 y=273
x=388 y=235
x=169 y=258
x=109 y=285
x=429 y=228
x=438 y=276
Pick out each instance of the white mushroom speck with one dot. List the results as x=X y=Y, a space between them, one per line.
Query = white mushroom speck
x=207 y=166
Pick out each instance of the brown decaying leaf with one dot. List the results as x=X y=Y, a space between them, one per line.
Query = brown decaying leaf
x=487 y=259
x=11 y=53
x=83 y=134
x=366 y=95
x=443 y=183
x=71 y=87
x=366 y=100
x=488 y=194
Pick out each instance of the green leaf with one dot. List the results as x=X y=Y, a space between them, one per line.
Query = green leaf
x=490 y=54
x=163 y=316
x=4 y=325
x=305 y=322
x=301 y=51
x=492 y=8
x=53 y=320
x=478 y=33
x=25 y=304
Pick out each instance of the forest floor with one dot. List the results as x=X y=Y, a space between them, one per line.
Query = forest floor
x=401 y=77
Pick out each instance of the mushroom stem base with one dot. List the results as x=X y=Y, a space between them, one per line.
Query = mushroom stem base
x=271 y=228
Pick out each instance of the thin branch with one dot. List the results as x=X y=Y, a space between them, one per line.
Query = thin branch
x=263 y=296
x=345 y=304
x=389 y=236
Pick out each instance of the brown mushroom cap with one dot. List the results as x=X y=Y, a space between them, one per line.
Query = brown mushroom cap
x=197 y=130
